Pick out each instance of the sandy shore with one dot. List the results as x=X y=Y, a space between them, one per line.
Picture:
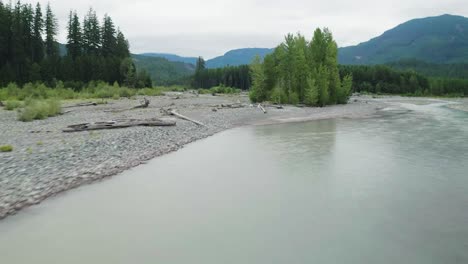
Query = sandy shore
x=46 y=161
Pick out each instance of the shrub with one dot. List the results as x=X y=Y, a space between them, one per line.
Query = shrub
x=6 y=148
x=278 y=96
x=294 y=98
x=40 y=109
x=150 y=91
x=12 y=105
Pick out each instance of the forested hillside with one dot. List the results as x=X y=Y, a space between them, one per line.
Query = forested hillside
x=95 y=50
x=441 y=39
x=163 y=71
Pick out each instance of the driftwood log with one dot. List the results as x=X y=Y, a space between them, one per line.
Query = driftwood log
x=174 y=113
x=261 y=108
x=120 y=123
x=81 y=105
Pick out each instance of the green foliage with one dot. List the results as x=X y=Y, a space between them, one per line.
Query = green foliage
x=164 y=72
x=311 y=93
x=12 y=105
x=301 y=71
x=39 y=109
x=229 y=76
x=345 y=90
x=279 y=96
x=382 y=79
x=92 y=52
x=219 y=90
x=258 y=91
x=6 y=148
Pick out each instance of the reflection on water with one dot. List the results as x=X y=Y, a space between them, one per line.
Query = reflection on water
x=392 y=189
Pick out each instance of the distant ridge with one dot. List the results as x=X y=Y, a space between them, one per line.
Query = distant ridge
x=440 y=39
x=232 y=58
x=172 y=57
x=237 y=57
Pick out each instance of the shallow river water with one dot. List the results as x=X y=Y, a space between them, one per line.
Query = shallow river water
x=389 y=189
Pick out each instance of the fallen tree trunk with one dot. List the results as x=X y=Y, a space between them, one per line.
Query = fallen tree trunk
x=121 y=123
x=174 y=113
x=263 y=109
x=81 y=105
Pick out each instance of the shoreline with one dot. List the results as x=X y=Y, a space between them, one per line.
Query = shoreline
x=34 y=172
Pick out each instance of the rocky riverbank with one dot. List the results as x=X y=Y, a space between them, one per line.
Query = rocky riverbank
x=45 y=161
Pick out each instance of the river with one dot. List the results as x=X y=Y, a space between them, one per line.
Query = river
x=388 y=189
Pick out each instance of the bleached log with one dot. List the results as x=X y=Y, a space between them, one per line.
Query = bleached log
x=121 y=123
x=263 y=109
x=174 y=113
x=81 y=105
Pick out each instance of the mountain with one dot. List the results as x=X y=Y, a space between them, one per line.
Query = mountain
x=441 y=39
x=237 y=57
x=231 y=58
x=163 y=71
x=172 y=57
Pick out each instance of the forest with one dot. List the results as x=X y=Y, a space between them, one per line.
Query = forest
x=231 y=76
x=378 y=79
x=95 y=51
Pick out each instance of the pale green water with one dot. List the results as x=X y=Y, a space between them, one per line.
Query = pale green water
x=392 y=189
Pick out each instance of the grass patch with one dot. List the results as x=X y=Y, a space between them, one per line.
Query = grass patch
x=6 y=148
x=39 y=109
x=220 y=90
x=93 y=90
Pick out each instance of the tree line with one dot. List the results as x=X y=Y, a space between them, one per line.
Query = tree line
x=231 y=76
x=383 y=79
x=29 y=51
x=371 y=78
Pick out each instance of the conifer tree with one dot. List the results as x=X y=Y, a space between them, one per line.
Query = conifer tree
x=38 y=42
x=51 y=28
x=91 y=34
x=74 y=38
x=109 y=40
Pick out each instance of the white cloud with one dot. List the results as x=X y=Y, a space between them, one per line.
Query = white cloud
x=212 y=27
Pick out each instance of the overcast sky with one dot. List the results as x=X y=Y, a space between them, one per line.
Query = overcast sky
x=211 y=27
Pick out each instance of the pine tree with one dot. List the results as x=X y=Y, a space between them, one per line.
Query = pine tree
x=51 y=26
x=122 y=49
x=38 y=42
x=91 y=33
x=109 y=40
x=74 y=38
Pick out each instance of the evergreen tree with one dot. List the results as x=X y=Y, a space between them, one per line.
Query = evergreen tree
x=51 y=45
x=109 y=40
x=38 y=42
x=122 y=50
x=91 y=34
x=74 y=38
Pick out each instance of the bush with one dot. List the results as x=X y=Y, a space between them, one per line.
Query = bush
x=12 y=105
x=40 y=109
x=294 y=98
x=278 y=96
x=6 y=148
